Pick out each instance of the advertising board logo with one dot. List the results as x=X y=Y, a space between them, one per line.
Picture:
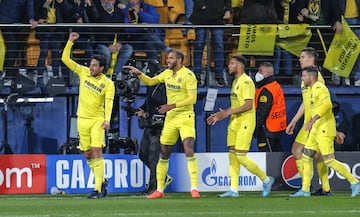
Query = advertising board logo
x=290 y=173
x=22 y=174
x=211 y=178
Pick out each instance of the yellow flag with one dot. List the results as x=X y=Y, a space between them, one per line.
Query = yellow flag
x=2 y=52
x=343 y=52
x=113 y=61
x=257 y=39
x=293 y=37
x=237 y=3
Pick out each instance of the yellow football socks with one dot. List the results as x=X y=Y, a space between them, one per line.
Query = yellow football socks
x=300 y=166
x=250 y=165
x=340 y=168
x=234 y=170
x=98 y=173
x=323 y=173
x=161 y=171
x=192 y=165
x=308 y=173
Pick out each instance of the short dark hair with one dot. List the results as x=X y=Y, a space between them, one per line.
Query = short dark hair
x=100 y=58
x=267 y=64
x=240 y=59
x=311 y=52
x=312 y=70
x=179 y=54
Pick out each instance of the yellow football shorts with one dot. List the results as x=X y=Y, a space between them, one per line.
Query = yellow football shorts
x=91 y=133
x=183 y=124
x=302 y=136
x=240 y=135
x=321 y=144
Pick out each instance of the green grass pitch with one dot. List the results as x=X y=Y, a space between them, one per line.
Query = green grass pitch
x=180 y=204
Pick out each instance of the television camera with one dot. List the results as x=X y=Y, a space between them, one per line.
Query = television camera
x=116 y=143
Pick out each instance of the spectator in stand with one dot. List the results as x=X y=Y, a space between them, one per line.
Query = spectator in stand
x=237 y=6
x=80 y=11
x=189 y=5
x=147 y=40
x=351 y=11
x=288 y=13
x=260 y=12
x=12 y=12
x=324 y=13
x=50 y=37
x=211 y=12
x=110 y=41
x=270 y=110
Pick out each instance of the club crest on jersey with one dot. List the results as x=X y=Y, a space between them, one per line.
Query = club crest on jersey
x=179 y=80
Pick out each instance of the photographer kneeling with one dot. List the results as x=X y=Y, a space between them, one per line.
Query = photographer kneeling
x=152 y=122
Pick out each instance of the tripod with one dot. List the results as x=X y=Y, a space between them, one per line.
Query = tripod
x=30 y=131
x=5 y=144
x=130 y=143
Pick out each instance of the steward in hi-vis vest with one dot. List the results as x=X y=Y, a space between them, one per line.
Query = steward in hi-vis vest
x=270 y=109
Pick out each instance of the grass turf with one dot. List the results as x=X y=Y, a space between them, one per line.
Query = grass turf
x=180 y=204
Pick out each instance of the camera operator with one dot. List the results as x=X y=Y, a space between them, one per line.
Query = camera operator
x=152 y=122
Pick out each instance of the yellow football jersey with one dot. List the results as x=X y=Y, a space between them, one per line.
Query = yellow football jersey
x=305 y=91
x=321 y=105
x=243 y=88
x=177 y=88
x=93 y=91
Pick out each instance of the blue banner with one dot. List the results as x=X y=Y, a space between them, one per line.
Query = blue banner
x=71 y=174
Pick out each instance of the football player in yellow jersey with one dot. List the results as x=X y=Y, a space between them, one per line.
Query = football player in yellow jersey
x=322 y=131
x=241 y=127
x=308 y=57
x=96 y=96
x=181 y=93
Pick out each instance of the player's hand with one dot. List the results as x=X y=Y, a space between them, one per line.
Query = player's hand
x=309 y=125
x=340 y=137
x=73 y=36
x=290 y=128
x=106 y=125
x=165 y=108
x=218 y=116
x=133 y=70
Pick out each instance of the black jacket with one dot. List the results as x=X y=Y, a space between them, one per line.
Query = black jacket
x=259 y=12
x=329 y=13
x=106 y=35
x=343 y=6
x=212 y=14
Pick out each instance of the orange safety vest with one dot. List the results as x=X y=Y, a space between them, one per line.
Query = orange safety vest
x=276 y=120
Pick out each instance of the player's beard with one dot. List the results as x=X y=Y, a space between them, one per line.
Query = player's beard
x=171 y=65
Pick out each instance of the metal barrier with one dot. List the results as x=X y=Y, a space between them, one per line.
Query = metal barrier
x=174 y=37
